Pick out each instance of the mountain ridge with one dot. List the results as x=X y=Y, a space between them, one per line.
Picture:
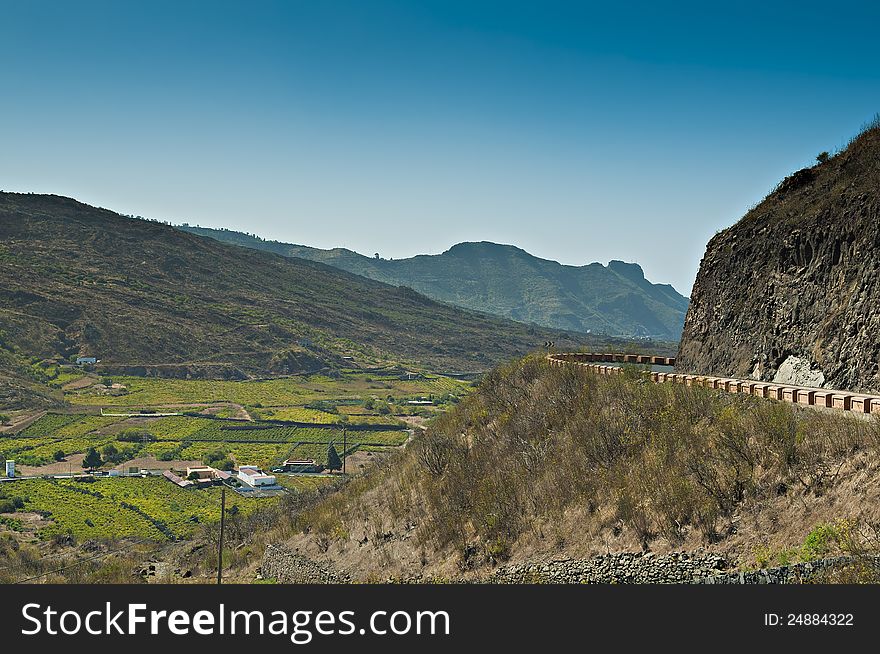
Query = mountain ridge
x=508 y=281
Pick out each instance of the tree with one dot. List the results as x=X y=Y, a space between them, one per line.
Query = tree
x=11 y=505
x=109 y=452
x=4 y=419
x=92 y=459
x=333 y=460
x=107 y=381
x=59 y=455
x=822 y=157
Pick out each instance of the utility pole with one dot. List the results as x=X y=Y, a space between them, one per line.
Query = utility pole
x=222 y=527
x=343 y=451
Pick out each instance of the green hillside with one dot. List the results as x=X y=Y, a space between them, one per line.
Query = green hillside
x=507 y=281
x=148 y=299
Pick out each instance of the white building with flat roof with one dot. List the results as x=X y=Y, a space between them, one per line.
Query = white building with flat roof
x=253 y=476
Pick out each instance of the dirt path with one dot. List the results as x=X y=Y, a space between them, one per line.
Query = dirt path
x=77 y=384
x=71 y=463
x=416 y=421
x=21 y=421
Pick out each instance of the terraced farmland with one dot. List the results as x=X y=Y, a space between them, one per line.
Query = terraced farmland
x=154 y=509
x=148 y=508
x=287 y=392
x=66 y=426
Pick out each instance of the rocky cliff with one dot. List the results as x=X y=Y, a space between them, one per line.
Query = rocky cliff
x=791 y=293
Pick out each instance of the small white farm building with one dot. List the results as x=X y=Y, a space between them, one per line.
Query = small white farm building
x=253 y=476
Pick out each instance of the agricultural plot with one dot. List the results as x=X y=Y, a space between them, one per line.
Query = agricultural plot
x=261 y=454
x=390 y=421
x=67 y=426
x=217 y=431
x=144 y=392
x=288 y=392
x=124 y=508
x=182 y=437
x=49 y=424
x=40 y=451
x=152 y=508
x=316 y=451
x=177 y=428
x=222 y=431
x=301 y=414
x=64 y=377
x=14 y=448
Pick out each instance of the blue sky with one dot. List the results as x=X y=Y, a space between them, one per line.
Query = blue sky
x=579 y=131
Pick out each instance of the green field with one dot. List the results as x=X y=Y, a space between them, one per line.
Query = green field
x=153 y=508
x=288 y=392
x=183 y=437
x=103 y=509
x=146 y=508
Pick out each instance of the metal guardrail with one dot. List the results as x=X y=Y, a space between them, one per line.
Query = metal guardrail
x=804 y=395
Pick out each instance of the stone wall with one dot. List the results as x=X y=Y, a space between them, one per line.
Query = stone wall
x=796 y=573
x=288 y=567
x=619 y=568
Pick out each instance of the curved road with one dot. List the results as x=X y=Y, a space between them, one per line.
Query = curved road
x=805 y=395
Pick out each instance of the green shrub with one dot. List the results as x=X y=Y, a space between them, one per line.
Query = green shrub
x=11 y=504
x=820 y=542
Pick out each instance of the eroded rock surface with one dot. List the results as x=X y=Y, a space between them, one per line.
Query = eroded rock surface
x=792 y=291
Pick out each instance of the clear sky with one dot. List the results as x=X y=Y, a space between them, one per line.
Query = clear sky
x=578 y=131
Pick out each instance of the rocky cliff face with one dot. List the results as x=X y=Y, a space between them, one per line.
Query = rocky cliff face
x=791 y=293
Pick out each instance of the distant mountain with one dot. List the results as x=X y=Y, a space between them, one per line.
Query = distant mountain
x=146 y=298
x=507 y=281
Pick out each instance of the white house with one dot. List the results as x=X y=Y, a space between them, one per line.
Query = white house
x=253 y=476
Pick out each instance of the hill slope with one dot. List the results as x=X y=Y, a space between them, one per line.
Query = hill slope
x=148 y=298
x=509 y=282
x=541 y=464
x=792 y=291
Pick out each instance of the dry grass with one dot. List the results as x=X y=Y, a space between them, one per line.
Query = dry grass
x=558 y=460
